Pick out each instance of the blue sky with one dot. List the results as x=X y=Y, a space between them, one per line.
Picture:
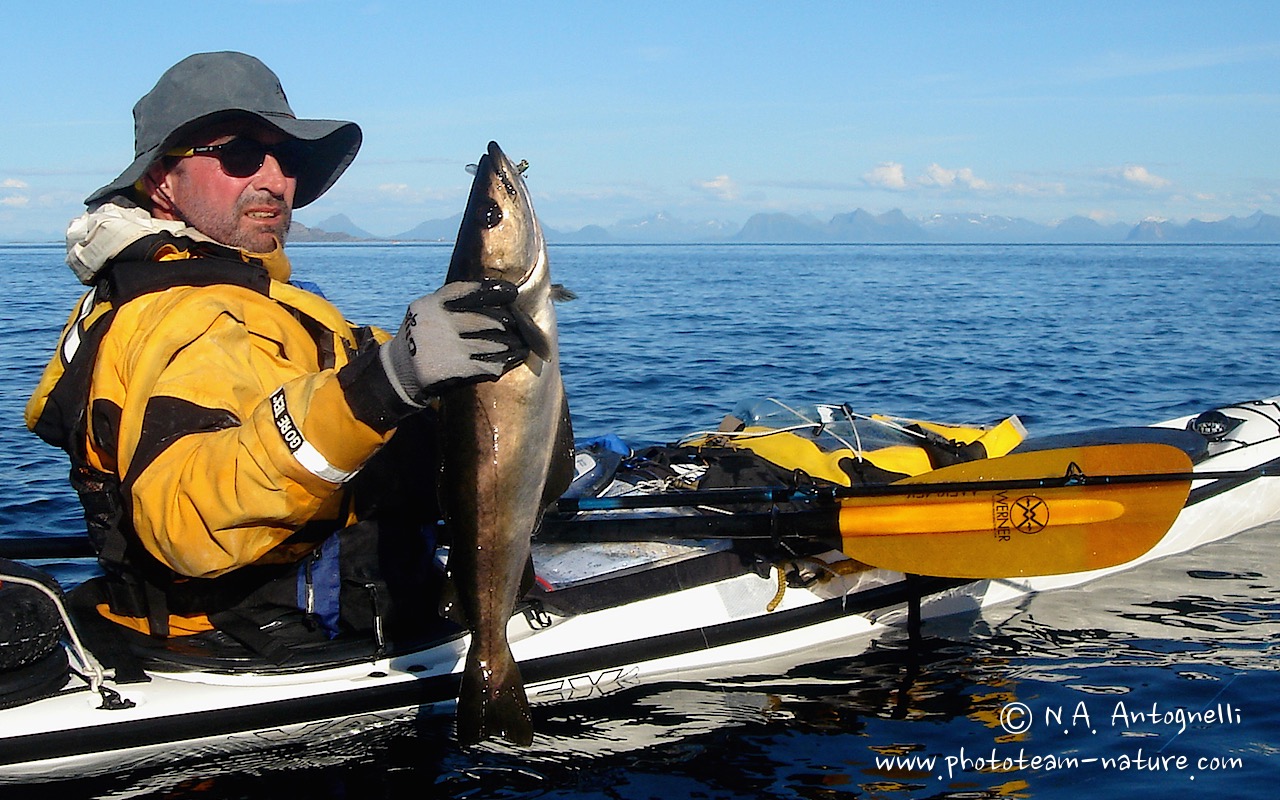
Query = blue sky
x=705 y=110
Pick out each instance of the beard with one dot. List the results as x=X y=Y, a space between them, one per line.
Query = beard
x=240 y=230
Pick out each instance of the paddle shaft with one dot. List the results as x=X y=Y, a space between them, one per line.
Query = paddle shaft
x=819 y=523
x=711 y=497
x=871 y=519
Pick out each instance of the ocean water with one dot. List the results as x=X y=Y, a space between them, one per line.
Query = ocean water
x=664 y=340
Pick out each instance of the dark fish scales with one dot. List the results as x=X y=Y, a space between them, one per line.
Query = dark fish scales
x=508 y=450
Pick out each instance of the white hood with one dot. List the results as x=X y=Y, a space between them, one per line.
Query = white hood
x=97 y=236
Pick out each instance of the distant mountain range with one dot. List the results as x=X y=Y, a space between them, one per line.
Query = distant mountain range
x=855 y=227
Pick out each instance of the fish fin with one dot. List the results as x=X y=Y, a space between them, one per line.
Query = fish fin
x=560 y=472
x=562 y=294
x=529 y=579
x=451 y=603
x=539 y=343
x=492 y=701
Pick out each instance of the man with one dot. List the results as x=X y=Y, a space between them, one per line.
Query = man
x=251 y=465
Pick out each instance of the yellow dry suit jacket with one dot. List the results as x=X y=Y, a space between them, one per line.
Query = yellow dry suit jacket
x=216 y=412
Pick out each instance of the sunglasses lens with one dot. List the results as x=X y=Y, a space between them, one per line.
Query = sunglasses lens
x=242 y=157
x=292 y=156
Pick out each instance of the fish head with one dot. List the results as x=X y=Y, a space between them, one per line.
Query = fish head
x=499 y=237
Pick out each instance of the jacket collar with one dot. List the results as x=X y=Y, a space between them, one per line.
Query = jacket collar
x=98 y=236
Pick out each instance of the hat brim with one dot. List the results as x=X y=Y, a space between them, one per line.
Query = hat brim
x=334 y=142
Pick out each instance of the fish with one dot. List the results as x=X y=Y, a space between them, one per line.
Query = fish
x=507 y=451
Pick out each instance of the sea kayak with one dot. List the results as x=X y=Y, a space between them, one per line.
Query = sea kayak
x=694 y=584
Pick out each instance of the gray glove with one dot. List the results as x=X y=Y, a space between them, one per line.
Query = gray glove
x=462 y=333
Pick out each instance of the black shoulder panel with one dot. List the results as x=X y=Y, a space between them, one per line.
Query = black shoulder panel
x=131 y=279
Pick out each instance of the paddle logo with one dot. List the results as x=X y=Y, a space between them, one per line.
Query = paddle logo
x=1030 y=514
x=1027 y=514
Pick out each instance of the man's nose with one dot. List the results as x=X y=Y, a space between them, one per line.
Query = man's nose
x=271 y=177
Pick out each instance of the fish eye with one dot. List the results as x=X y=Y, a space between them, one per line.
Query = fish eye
x=492 y=215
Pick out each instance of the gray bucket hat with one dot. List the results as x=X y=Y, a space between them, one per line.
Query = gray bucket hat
x=208 y=87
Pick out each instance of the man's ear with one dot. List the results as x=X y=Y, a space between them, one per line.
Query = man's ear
x=156 y=187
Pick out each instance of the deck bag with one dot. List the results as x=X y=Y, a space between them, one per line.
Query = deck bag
x=33 y=663
x=834 y=445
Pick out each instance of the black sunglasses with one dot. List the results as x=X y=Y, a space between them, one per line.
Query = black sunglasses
x=242 y=156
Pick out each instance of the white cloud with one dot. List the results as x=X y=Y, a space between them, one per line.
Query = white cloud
x=937 y=175
x=1140 y=176
x=394 y=188
x=887 y=175
x=13 y=183
x=1042 y=189
x=966 y=177
x=14 y=202
x=892 y=175
x=721 y=187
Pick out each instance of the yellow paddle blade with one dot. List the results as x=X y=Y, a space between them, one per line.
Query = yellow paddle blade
x=1010 y=533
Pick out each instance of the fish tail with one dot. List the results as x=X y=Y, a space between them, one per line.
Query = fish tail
x=492 y=702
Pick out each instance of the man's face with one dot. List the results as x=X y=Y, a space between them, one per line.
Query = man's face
x=250 y=213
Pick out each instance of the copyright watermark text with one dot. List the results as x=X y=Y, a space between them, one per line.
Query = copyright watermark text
x=1017 y=719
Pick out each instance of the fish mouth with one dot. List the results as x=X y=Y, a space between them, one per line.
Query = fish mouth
x=507 y=173
x=503 y=174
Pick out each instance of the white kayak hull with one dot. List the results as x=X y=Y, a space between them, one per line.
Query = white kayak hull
x=723 y=627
